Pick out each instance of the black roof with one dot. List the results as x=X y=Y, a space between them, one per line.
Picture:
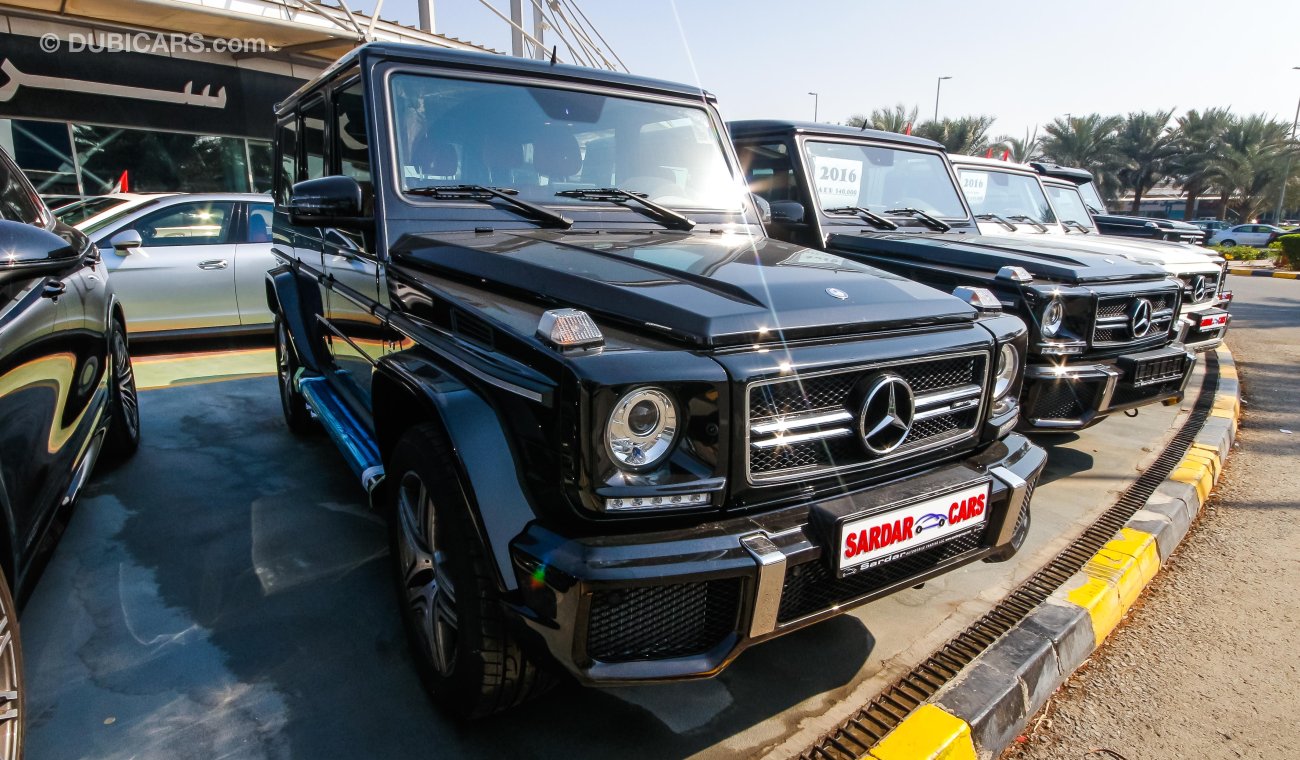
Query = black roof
x=748 y=127
x=1064 y=172
x=474 y=61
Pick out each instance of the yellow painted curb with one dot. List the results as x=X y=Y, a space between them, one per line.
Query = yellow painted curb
x=1241 y=271
x=1196 y=472
x=1287 y=275
x=928 y=733
x=1116 y=575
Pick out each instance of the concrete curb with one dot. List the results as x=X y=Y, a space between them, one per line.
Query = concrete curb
x=1250 y=272
x=979 y=713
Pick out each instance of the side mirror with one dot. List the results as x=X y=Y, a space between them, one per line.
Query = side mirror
x=787 y=212
x=125 y=241
x=28 y=251
x=764 y=208
x=326 y=202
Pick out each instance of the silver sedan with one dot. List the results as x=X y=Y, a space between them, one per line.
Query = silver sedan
x=189 y=264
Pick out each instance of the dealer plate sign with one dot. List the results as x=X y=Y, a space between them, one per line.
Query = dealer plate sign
x=868 y=542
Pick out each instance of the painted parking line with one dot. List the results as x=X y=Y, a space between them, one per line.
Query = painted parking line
x=171 y=370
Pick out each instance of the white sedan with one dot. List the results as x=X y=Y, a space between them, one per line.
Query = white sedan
x=1244 y=234
x=188 y=264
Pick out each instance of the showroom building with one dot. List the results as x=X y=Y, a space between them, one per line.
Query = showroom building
x=163 y=95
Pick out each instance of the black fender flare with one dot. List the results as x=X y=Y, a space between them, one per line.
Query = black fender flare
x=294 y=297
x=483 y=456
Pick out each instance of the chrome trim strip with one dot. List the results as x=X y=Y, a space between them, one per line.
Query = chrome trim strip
x=771 y=581
x=797 y=422
x=1066 y=372
x=790 y=440
x=1019 y=489
x=935 y=399
x=942 y=410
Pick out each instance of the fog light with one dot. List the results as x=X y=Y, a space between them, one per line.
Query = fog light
x=670 y=501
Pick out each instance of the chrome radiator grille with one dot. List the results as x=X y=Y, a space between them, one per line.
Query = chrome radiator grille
x=1115 y=323
x=811 y=424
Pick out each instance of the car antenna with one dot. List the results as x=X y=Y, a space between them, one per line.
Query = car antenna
x=553 y=49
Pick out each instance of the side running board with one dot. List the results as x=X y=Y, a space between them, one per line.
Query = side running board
x=357 y=446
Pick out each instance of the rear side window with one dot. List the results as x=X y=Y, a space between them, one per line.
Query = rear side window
x=17 y=201
x=313 y=140
x=259 y=223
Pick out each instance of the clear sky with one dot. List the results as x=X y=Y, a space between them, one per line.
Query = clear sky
x=1021 y=62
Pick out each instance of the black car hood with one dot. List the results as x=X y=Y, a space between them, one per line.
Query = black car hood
x=1120 y=220
x=700 y=288
x=989 y=253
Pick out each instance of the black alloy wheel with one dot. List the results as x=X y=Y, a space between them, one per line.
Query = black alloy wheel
x=296 y=414
x=12 y=698
x=124 y=401
x=468 y=659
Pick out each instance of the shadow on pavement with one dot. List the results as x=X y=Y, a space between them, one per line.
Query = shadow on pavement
x=227 y=593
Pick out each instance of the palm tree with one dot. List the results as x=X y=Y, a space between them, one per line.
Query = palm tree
x=1200 y=139
x=1020 y=151
x=896 y=119
x=1251 y=164
x=1144 y=144
x=964 y=135
x=1086 y=142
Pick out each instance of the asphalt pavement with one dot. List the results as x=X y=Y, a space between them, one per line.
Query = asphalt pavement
x=1207 y=664
x=226 y=593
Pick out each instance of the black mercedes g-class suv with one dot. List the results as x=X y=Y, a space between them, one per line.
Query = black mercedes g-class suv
x=1172 y=230
x=1103 y=329
x=614 y=426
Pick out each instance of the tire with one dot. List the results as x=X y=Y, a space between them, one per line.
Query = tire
x=467 y=657
x=1228 y=243
x=296 y=414
x=124 y=400
x=13 y=710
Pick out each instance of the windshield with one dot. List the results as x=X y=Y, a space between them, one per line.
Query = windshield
x=1089 y=192
x=1069 y=205
x=1008 y=195
x=79 y=211
x=541 y=141
x=881 y=179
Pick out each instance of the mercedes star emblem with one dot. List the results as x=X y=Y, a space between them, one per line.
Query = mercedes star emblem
x=887 y=413
x=837 y=293
x=1200 y=291
x=1139 y=319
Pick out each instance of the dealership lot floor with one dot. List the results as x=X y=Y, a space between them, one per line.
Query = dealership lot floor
x=225 y=593
x=1206 y=666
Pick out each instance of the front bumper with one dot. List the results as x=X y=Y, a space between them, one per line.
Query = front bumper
x=1205 y=329
x=1074 y=396
x=684 y=604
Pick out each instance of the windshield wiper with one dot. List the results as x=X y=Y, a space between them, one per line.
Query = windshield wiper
x=998 y=219
x=1094 y=210
x=1071 y=223
x=1029 y=220
x=664 y=215
x=485 y=194
x=932 y=222
x=876 y=220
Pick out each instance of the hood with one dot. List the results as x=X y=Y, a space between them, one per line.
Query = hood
x=989 y=253
x=1178 y=257
x=699 y=288
x=1120 y=220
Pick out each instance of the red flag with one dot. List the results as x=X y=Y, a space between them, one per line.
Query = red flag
x=988 y=153
x=1006 y=155
x=122 y=185
x=908 y=129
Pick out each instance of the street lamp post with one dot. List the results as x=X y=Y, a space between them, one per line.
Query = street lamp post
x=938 y=85
x=1286 y=175
x=816 y=98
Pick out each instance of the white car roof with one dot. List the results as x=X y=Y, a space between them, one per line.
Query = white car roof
x=990 y=163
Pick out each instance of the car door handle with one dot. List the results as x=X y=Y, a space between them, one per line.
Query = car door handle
x=54 y=289
x=213 y=264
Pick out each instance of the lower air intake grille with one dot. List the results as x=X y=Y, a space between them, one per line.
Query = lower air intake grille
x=1063 y=400
x=659 y=622
x=813 y=587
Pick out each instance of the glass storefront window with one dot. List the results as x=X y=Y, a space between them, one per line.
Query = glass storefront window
x=44 y=152
x=158 y=161
x=262 y=157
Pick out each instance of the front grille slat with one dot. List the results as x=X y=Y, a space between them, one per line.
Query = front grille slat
x=1111 y=326
x=824 y=448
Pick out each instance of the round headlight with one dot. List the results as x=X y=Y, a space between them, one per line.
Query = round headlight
x=1008 y=363
x=641 y=429
x=1053 y=316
